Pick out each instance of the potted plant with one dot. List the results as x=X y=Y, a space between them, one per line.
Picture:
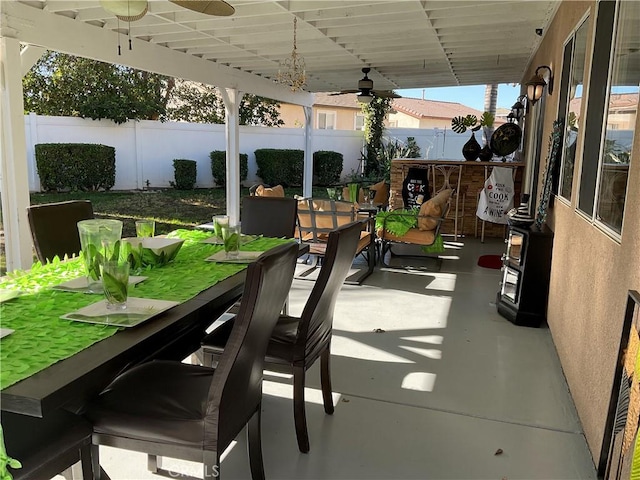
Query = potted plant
x=471 y=150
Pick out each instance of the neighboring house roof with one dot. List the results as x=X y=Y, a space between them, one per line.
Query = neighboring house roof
x=619 y=102
x=418 y=108
x=414 y=107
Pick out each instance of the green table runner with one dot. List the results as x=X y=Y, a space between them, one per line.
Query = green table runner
x=41 y=338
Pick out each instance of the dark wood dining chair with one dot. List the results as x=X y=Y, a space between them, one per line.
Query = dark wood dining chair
x=297 y=342
x=47 y=446
x=269 y=216
x=54 y=227
x=192 y=412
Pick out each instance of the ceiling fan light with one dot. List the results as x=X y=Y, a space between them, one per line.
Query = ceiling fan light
x=362 y=98
x=219 y=8
x=126 y=10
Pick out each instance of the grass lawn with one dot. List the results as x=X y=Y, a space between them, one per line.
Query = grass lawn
x=171 y=209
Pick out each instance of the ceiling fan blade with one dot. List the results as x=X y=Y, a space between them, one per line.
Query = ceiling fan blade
x=219 y=8
x=344 y=92
x=385 y=94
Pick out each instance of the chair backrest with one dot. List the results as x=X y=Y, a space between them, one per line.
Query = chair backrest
x=444 y=177
x=269 y=216
x=54 y=227
x=318 y=217
x=236 y=387
x=317 y=316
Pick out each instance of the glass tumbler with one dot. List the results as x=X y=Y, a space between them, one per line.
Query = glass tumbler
x=99 y=241
x=219 y=221
x=231 y=239
x=145 y=228
x=115 y=281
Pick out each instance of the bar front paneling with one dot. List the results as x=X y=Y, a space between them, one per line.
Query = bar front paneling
x=472 y=182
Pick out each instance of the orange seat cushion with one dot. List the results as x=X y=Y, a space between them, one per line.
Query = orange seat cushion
x=414 y=236
x=431 y=210
x=277 y=191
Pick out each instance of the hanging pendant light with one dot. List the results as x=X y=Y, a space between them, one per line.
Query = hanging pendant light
x=126 y=10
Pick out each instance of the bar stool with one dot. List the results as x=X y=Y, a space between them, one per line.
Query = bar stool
x=451 y=176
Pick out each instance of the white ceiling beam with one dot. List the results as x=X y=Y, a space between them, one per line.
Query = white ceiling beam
x=33 y=26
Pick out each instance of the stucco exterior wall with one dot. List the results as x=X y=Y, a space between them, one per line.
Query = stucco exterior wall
x=591 y=272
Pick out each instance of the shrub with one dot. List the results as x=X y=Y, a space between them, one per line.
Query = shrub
x=327 y=167
x=184 y=173
x=280 y=166
x=75 y=166
x=219 y=167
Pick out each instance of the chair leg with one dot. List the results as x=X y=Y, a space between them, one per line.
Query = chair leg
x=85 y=462
x=154 y=463
x=325 y=381
x=95 y=462
x=299 y=414
x=254 y=442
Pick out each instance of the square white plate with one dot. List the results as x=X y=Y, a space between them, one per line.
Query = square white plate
x=80 y=284
x=6 y=295
x=138 y=310
x=5 y=331
x=243 y=257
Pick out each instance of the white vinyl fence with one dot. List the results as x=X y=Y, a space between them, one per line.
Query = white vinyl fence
x=145 y=150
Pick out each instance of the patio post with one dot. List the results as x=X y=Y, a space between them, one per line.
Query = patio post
x=13 y=159
x=231 y=98
x=307 y=181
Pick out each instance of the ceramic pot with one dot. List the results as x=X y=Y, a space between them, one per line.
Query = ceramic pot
x=471 y=149
x=485 y=154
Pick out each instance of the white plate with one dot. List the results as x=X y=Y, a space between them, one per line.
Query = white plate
x=138 y=310
x=244 y=239
x=80 y=284
x=6 y=295
x=5 y=331
x=243 y=257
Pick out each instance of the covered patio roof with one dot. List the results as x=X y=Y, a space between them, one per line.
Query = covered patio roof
x=406 y=43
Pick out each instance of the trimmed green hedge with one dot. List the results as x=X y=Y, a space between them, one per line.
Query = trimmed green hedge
x=185 y=174
x=280 y=166
x=327 y=167
x=75 y=166
x=219 y=167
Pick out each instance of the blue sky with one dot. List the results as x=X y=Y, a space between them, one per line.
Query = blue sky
x=472 y=96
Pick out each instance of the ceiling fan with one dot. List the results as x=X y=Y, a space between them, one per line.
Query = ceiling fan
x=132 y=10
x=365 y=90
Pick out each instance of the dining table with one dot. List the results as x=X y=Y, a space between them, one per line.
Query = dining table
x=49 y=363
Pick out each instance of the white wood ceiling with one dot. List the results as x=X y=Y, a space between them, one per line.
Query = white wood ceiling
x=407 y=43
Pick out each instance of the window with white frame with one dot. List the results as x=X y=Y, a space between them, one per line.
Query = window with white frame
x=611 y=118
x=359 y=121
x=326 y=120
x=573 y=69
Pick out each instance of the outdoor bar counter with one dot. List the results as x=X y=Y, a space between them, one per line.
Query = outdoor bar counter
x=472 y=182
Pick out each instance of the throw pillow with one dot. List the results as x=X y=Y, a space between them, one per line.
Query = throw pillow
x=432 y=209
x=277 y=191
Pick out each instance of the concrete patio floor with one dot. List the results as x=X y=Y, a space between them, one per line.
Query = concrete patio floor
x=429 y=383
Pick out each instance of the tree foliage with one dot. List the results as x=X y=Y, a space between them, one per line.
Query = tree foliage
x=196 y=102
x=374 y=115
x=64 y=85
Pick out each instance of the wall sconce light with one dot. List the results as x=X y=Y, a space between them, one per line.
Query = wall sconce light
x=536 y=84
x=518 y=108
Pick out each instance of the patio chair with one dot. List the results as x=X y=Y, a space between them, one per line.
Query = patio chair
x=297 y=342
x=191 y=412
x=269 y=216
x=449 y=177
x=54 y=227
x=317 y=218
x=47 y=446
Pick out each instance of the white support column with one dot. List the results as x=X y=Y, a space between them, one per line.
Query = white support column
x=232 y=98
x=34 y=179
x=307 y=179
x=13 y=158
